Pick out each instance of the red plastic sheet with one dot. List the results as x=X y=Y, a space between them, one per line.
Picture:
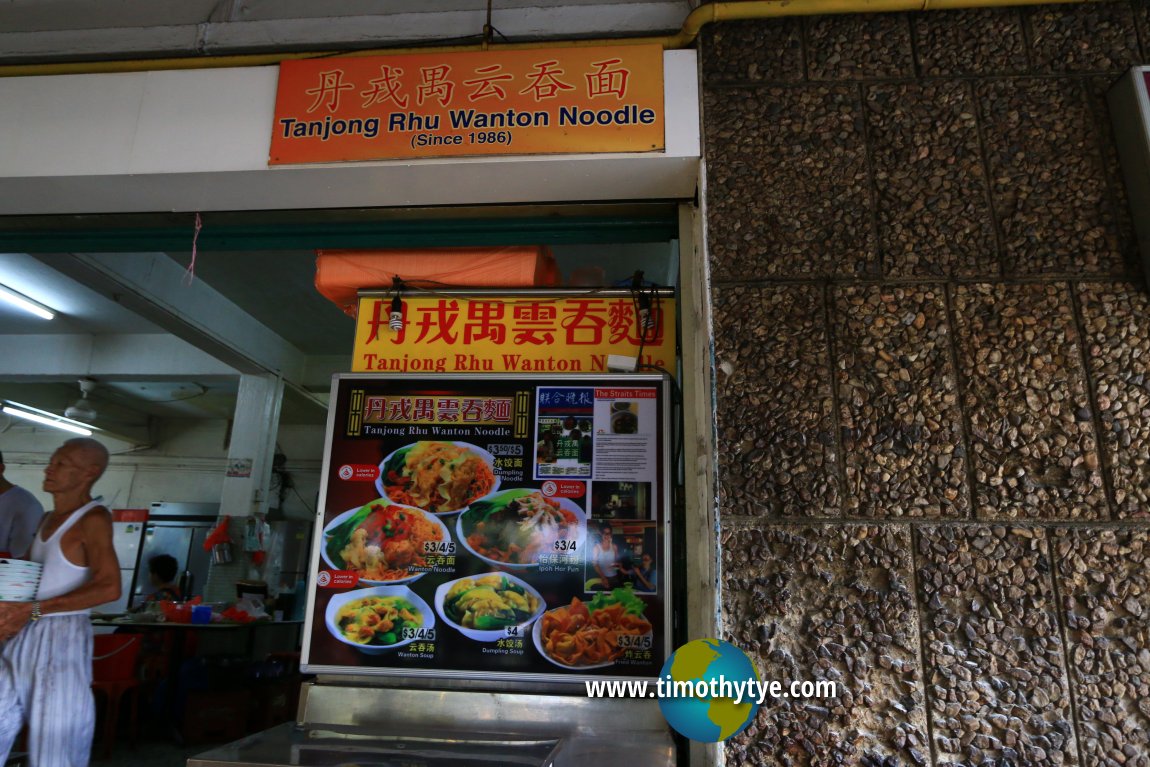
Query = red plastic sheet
x=341 y=274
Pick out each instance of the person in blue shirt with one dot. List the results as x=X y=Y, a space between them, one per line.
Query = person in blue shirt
x=20 y=515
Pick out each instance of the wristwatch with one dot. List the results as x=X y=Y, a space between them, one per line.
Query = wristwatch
x=36 y=614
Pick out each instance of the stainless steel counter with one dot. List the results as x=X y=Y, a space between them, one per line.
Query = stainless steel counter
x=426 y=728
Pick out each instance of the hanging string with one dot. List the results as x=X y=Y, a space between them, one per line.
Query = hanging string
x=487 y=28
x=190 y=274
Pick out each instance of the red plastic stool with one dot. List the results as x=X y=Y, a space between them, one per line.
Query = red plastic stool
x=114 y=659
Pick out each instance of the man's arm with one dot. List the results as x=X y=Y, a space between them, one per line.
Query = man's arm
x=95 y=530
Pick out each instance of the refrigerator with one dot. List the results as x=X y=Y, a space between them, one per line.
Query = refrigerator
x=128 y=527
x=177 y=529
x=286 y=570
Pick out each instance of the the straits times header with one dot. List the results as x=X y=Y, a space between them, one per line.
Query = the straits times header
x=534 y=101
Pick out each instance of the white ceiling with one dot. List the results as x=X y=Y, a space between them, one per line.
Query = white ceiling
x=79 y=309
x=277 y=288
x=274 y=290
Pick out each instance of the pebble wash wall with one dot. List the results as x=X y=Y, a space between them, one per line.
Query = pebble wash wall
x=933 y=358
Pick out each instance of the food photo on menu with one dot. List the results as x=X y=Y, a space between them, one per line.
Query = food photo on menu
x=381 y=542
x=484 y=607
x=514 y=527
x=444 y=550
x=380 y=619
x=439 y=477
x=594 y=633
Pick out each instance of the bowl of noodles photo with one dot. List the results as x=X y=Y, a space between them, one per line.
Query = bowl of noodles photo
x=440 y=477
x=595 y=634
x=488 y=607
x=381 y=541
x=624 y=421
x=379 y=619
x=510 y=529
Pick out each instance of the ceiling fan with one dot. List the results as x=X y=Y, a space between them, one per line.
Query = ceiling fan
x=82 y=409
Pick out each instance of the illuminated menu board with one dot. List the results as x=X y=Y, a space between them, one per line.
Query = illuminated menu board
x=505 y=527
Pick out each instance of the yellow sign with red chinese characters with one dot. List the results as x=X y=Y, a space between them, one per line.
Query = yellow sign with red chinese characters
x=534 y=101
x=512 y=334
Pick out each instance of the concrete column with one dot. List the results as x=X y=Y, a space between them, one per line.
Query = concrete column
x=251 y=446
x=245 y=487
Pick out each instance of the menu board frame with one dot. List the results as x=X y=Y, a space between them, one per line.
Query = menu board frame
x=557 y=463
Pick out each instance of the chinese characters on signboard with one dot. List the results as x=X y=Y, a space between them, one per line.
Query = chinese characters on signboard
x=509 y=334
x=570 y=100
x=405 y=410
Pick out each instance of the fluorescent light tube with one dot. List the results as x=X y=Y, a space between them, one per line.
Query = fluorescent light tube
x=22 y=301
x=46 y=419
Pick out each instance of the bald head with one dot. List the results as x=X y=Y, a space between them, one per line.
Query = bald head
x=89 y=452
x=73 y=469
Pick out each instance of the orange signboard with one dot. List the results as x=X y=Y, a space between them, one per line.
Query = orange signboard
x=533 y=101
x=518 y=334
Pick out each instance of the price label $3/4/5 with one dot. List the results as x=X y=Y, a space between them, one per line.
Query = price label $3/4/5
x=408 y=632
x=633 y=641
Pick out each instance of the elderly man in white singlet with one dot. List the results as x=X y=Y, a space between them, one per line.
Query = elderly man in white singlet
x=46 y=660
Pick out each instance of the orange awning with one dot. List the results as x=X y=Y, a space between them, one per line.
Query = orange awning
x=341 y=274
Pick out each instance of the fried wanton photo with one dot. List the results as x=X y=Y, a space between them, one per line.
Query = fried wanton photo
x=586 y=634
